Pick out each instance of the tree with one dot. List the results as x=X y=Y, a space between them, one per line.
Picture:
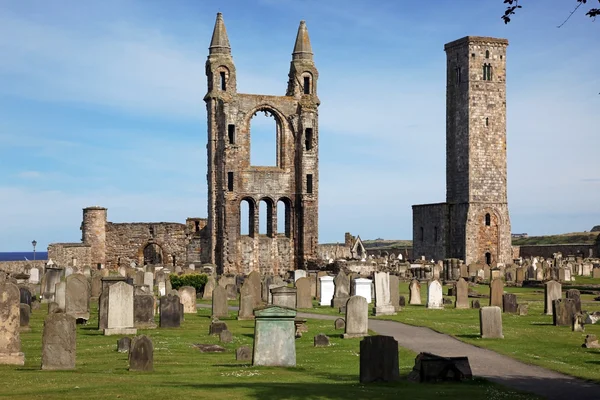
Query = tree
x=513 y=5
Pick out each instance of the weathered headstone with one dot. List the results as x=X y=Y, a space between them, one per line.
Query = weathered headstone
x=520 y=275
x=321 y=340
x=435 y=299
x=496 y=292
x=59 y=342
x=326 y=289
x=170 y=311
x=284 y=296
x=216 y=327
x=231 y=290
x=34 y=276
x=591 y=342
x=490 y=322
x=120 y=310
x=141 y=354
x=433 y=368
x=578 y=323
x=379 y=359
x=149 y=280
x=143 y=310
x=357 y=317
x=24 y=314
x=96 y=286
x=402 y=301
x=243 y=353
x=509 y=303
x=25 y=295
x=552 y=291
x=575 y=295
x=596 y=273
x=77 y=297
x=415 y=292
x=303 y=297
x=10 y=341
x=342 y=290
x=124 y=344
x=475 y=304
x=340 y=323
x=60 y=293
x=274 y=337
x=383 y=305
x=395 y=292
x=219 y=302
x=318 y=283
x=253 y=280
x=246 y=311
x=563 y=311
x=225 y=336
x=462 y=294
x=208 y=288
x=187 y=297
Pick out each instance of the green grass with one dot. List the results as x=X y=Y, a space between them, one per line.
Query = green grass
x=531 y=339
x=181 y=371
x=565 y=238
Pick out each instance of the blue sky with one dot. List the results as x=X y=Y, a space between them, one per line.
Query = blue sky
x=101 y=104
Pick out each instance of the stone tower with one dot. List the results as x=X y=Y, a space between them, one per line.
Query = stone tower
x=93 y=233
x=473 y=224
x=292 y=184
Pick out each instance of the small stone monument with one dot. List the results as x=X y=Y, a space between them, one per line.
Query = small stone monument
x=379 y=359
x=24 y=313
x=357 y=317
x=59 y=342
x=578 y=323
x=522 y=309
x=141 y=354
x=509 y=303
x=243 y=353
x=435 y=298
x=490 y=322
x=552 y=291
x=284 y=296
x=303 y=296
x=225 y=336
x=563 y=311
x=246 y=311
x=342 y=290
x=496 y=292
x=124 y=344
x=326 y=289
x=170 y=311
x=415 y=292
x=216 y=327
x=208 y=288
x=219 y=302
x=120 y=310
x=187 y=297
x=274 y=337
x=321 y=340
x=340 y=323
x=143 y=310
x=362 y=287
x=462 y=294
x=10 y=341
x=383 y=305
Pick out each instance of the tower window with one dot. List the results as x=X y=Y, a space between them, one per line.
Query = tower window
x=309 y=183
x=487 y=121
x=487 y=72
x=231 y=133
x=230 y=181
x=458 y=77
x=197 y=226
x=308 y=138
x=223 y=82
x=422 y=236
x=472 y=55
x=435 y=234
x=488 y=219
x=487 y=54
x=488 y=258
x=306 y=85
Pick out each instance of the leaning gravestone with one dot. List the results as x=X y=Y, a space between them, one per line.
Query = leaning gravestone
x=141 y=354
x=509 y=303
x=59 y=342
x=187 y=296
x=120 y=310
x=342 y=290
x=274 y=337
x=496 y=292
x=552 y=291
x=10 y=341
x=357 y=317
x=383 y=305
x=462 y=294
x=303 y=297
x=219 y=302
x=379 y=359
x=563 y=311
x=490 y=322
x=575 y=295
x=77 y=297
x=415 y=292
x=170 y=311
x=435 y=299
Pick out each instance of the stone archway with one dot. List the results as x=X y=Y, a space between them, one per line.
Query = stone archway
x=153 y=254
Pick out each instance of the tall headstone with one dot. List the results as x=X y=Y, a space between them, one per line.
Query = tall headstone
x=170 y=311
x=25 y=295
x=77 y=297
x=496 y=292
x=563 y=311
x=253 y=279
x=24 y=314
x=575 y=295
x=490 y=322
x=342 y=290
x=415 y=292
x=60 y=293
x=552 y=291
x=187 y=296
x=143 y=310
x=327 y=289
x=318 y=283
x=96 y=286
x=219 y=302
x=52 y=276
x=362 y=287
x=357 y=317
x=274 y=337
x=383 y=305
x=59 y=342
x=246 y=311
x=141 y=354
x=462 y=294
x=149 y=280
x=435 y=298
x=395 y=292
x=10 y=341
x=379 y=359
x=120 y=310
x=303 y=296
x=34 y=276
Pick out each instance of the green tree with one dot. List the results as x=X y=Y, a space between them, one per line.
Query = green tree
x=513 y=6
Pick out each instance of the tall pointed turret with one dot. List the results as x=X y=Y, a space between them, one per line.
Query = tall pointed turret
x=302 y=48
x=220 y=42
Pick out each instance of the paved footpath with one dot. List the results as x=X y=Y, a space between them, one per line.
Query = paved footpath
x=485 y=363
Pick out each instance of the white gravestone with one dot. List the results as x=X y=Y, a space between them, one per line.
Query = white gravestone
x=327 y=289
x=435 y=299
x=362 y=287
x=149 y=280
x=120 y=310
x=34 y=276
x=383 y=301
x=299 y=273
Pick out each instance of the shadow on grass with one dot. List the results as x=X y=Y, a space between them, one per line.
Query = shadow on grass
x=469 y=336
x=250 y=335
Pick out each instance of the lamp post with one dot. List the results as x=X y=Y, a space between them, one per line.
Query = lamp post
x=34 y=243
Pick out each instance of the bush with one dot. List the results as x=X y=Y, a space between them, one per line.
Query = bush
x=196 y=281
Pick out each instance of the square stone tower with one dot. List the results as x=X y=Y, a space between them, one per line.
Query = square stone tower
x=473 y=224
x=236 y=245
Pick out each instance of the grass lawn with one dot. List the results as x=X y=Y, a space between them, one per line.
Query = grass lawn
x=181 y=371
x=531 y=339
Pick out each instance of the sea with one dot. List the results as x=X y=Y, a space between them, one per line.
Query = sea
x=23 y=255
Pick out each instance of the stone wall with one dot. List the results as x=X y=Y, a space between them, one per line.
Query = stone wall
x=334 y=251
x=547 y=250
x=430 y=225
x=71 y=254
x=17 y=267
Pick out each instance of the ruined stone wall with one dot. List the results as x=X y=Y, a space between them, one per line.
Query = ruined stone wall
x=93 y=233
x=71 y=255
x=334 y=251
x=430 y=225
x=547 y=250
x=17 y=267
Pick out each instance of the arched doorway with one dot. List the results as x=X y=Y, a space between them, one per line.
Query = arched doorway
x=152 y=254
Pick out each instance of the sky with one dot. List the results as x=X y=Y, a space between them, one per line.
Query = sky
x=101 y=103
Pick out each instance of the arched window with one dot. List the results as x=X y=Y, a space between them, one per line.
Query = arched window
x=246 y=218
x=306 y=85
x=487 y=54
x=283 y=217
x=265 y=217
x=222 y=80
x=487 y=121
x=488 y=219
x=488 y=258
x=264 y=134
x=487 y=72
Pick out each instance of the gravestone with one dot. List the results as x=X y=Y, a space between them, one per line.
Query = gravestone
x=138 y=278
x=509 y=303
x=225 y=336
x=415 y=292
x=243 y=353
x=475 y=304
x=34 y=276
x=77 y=297
x=187 y=297
x=299 y=273
x=575 y=295
x=321 y=340
x=342 y=290
x=162 y=288
x=496 y=292
x=170 y=311
x=124 y=344
x=231 y=290
x=596 y=273
x=96 y=286
x=462 y=294
x=246 y=311
x=362 y=287
x=435 y=299
x=433 y=368
x=383 y=305
x=394 y=292
x=52 y=276
x=53 y=308
x=59 y=342
x=357 y=317
x=490 y=322
x=312 y=277
x=520 y=275
x=591 y=342
x=143 y=310
x=327 y=288
x=60 y=293
x=149 y=280
x=274 y=337
x=402 y=301
x=219 y=302
x=25 y=295
x=141 y=354
x=318 y=283
x=522 y=309
x=563 y=311
x=578 y=323
x=216 y=327
x=552 y=291
x=10 y=341
x=303 y=297
x=340 y=323
x=284 y=296
x=379 y=359
x=24 y=313
x=120 y=310
x=253 y=280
